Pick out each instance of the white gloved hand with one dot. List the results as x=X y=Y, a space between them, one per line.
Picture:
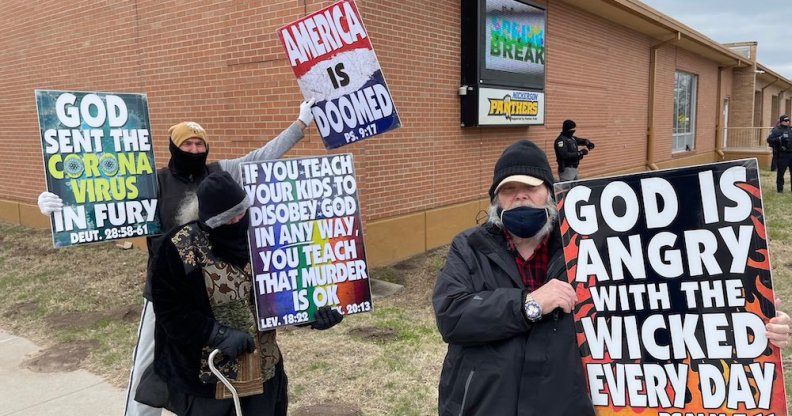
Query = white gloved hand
x=305 y=112
x=49 y=203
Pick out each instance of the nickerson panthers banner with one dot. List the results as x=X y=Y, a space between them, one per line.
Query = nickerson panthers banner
x=672 y=274
x=98 y=158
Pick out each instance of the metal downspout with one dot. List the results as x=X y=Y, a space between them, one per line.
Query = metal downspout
x=719 y=143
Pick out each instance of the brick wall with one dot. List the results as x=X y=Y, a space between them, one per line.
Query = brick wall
x=598 y=75
x=55 y=45
x=742 y=100
x=220 y=63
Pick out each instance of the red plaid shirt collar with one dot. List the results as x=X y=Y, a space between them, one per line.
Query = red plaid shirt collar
x=533 y=270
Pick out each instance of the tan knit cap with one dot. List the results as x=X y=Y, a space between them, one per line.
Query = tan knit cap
x=186 y=130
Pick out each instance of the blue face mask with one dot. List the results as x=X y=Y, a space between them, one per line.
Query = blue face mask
x=523 y=222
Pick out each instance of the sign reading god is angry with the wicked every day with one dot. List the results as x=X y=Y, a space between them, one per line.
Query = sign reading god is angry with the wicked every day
x=306 y=239
x=674 y=286
x=98 y=159
x=332 y=57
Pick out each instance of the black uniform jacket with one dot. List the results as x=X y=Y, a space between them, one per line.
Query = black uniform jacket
x=566 y=151
x=780 y=139
x=497 y=362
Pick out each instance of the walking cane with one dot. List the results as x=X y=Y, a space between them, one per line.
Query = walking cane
x=225 y=381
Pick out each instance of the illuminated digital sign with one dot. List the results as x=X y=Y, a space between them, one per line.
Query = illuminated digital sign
x=503 y=53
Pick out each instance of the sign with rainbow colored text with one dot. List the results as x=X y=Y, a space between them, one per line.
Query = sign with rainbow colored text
x=332 y=57
x=98 y=159
x=306 y=239
x=672 y=275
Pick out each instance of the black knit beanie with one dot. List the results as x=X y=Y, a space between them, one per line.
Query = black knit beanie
x=522 y=158
x=568 y=125
x=220 y=198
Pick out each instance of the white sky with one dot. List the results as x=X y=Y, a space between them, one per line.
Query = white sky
x=768 y=22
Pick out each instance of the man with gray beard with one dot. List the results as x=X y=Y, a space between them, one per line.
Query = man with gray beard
x=504 y=307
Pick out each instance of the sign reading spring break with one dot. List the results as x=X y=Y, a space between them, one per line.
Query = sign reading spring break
x=332 y=57
x=98 y=159
x=306 y=239
x=672 y=275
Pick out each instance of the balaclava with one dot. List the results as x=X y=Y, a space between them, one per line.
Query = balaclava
x=220 y=199
x=568 y=127
x=186 y=163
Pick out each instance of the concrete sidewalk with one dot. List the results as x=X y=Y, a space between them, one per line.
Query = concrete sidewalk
x=78 y=393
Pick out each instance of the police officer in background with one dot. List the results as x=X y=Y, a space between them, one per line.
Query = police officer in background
x=781 y=138
x=567 y=154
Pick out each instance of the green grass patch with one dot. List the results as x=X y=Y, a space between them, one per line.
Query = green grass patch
x=57 y=296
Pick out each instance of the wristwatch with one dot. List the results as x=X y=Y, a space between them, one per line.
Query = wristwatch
x=532 y=309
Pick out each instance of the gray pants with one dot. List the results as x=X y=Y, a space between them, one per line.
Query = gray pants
x=568 y=174
x=142 y=358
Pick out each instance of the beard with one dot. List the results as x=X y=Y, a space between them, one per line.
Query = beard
x=552 y=215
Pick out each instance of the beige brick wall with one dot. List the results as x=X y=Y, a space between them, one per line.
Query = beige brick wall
x=742 y=102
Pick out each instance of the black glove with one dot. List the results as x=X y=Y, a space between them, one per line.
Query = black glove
x=589 y=145
x=326 y=317
x=231 y=342
x=583 y=152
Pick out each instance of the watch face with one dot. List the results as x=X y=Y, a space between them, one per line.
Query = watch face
x=533 y=311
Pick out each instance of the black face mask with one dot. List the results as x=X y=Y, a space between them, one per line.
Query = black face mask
x=229 y=241
x=186 y=163
x=523 y=222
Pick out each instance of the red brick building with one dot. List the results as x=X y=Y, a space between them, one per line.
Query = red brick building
x=616 y=71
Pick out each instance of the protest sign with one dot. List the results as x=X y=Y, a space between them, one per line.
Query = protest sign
x=332 y=57
x=674 y=289
x=98 y=158
x=306 y=239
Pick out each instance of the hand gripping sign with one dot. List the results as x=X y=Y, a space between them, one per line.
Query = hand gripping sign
x=674 y=288
x=332 y=57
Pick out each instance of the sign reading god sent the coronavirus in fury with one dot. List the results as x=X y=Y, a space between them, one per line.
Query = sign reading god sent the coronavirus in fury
x=332 y=57
x=672 y=274
x=98 y=159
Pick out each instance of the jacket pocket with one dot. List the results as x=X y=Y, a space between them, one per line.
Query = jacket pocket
x=468 y=381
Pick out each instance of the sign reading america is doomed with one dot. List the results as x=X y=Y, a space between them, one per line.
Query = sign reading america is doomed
x=332 y=57
x=306 y=239
x=98 y=159
x=672 y=274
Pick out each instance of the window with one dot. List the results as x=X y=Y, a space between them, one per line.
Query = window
x=775 y=104
x=684 y=111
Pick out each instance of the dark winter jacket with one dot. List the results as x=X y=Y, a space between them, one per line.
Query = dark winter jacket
x=498 y=363
x=566 y=150
x=780 y=139
x=174 y=189
x=185 y=317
